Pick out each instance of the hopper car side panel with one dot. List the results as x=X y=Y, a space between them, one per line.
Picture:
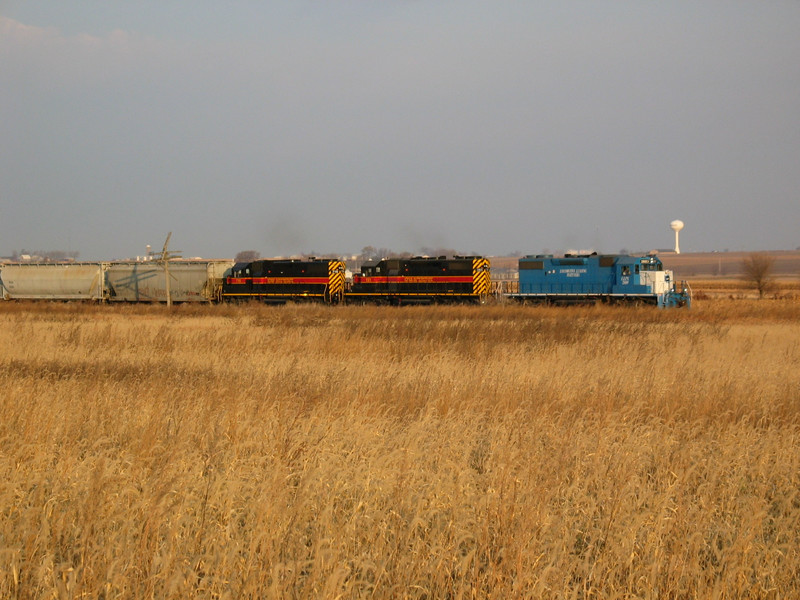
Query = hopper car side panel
x=197 y=281
x=53 y=281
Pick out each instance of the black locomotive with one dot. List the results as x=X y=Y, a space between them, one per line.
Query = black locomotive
x=281 y=280
x=423 y=280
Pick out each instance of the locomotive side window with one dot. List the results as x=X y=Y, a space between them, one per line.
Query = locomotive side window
x=531 y=265
x=626 y=270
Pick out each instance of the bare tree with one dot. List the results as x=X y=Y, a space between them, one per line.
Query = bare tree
x=757 y=270
x=370 y=253
x=247 y=256
x=438 y=251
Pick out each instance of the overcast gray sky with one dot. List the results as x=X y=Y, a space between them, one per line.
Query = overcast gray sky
x=488 y=127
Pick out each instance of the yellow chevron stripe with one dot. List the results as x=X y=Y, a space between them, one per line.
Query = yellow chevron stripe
x=481 y=278
x=336 y=281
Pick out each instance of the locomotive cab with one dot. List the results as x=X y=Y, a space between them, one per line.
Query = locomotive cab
x=240 y=280
x=640 y=278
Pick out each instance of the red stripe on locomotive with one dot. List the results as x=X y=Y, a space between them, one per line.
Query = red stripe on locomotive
x=401 y=279
x=279 y=280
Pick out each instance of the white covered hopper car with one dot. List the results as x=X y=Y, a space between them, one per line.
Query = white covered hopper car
x=52 y=281
x=124 y=281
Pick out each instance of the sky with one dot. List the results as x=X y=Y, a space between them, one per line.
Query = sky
x=323 y=127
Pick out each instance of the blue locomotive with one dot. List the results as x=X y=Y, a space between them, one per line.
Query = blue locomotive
x=591 y=278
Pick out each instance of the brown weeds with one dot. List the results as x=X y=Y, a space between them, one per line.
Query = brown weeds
x=424 y=452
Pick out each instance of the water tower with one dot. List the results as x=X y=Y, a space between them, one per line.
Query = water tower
x=676 y=227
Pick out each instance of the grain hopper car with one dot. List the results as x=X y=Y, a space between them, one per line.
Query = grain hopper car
x=52 y=281
x=189 y=281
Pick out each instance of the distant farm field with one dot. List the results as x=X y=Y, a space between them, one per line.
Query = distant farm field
x=423 y=452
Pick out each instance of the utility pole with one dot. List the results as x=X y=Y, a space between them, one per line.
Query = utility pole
x=164 y=259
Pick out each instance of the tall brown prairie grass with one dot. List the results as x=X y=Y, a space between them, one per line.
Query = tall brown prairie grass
x=453 y=452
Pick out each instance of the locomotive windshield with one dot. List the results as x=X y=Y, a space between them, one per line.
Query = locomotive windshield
x=240 y=269
x=651 y=265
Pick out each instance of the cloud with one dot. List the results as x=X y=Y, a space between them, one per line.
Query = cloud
x=45 y=58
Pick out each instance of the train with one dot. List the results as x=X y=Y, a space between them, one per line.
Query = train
x=567 y=279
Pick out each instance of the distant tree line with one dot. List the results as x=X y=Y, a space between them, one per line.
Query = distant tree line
x=368 y=253
x=45 y=255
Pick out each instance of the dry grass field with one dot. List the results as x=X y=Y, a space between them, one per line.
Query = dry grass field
x=736 y=289
x=428 y=452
